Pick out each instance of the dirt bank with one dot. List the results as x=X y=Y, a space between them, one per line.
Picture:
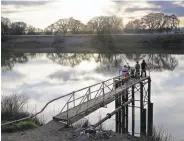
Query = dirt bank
x=54 y=131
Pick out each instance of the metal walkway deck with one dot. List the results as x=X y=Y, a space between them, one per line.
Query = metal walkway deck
x=93 y=100
x=82 y=102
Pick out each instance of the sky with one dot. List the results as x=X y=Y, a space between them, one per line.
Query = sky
x=43 y=13
x=41 y=86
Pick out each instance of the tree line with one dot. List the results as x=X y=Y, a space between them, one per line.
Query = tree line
x=153 y=22
x=97 y=25
x=17 y=28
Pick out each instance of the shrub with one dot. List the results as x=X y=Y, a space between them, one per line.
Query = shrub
x=159 y=134
x=24 y=125
x=12 y=109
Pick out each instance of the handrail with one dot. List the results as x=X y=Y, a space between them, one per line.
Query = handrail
x=68 y=101
x=102 y=86
x=37 y=112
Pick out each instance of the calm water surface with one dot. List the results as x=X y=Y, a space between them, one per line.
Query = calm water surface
x=42 y=77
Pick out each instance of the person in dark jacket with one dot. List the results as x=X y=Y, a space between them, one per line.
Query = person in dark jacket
x=143 y=68
x=137 y=70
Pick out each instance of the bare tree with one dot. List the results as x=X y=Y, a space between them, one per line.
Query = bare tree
x=174 y=21
x=129 y=25
x=136 y=24
x=74 y=25
x=5 y=26
x=13 y=103
x=106 y=24
x=154 y=22
x=115 y=23
x=18 y=28
x=62 y=25
x=50 y=29
x=31 y=30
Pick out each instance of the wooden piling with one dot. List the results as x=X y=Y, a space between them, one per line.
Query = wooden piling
x=141 y=108
x=150 y=119
x=133 y=111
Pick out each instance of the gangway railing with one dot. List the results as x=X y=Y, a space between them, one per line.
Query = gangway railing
x=84 y=95
x=77 y=98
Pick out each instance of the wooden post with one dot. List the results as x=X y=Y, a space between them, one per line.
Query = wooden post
x=126 y=91
x=116 y=106
x=103 y=93
x=141 y=108
x=143 y=128
x=150 y=119
x=116 y=115
x=123 y=114
x=133 y=111
x=150 y=110
x=149 y=90
x=119 y=114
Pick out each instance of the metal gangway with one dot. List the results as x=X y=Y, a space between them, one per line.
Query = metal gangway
x=84 y=101
x=94 y=97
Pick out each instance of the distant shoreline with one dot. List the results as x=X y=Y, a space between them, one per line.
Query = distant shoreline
x=113 y=43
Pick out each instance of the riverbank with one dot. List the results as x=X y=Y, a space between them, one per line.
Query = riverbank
x=43 y=134
x=138 y=43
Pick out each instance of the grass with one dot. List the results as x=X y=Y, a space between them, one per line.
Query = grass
x=12 y=108
x=24 y=125
x=159 y=134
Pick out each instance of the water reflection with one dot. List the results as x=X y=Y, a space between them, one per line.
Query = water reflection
x=107 y=62
x=160 y=62
x=8 y=58
x=46 y=76
x=69 y=59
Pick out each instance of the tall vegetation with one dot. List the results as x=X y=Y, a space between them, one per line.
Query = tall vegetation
x=98 y=25
x=12 y=108
x=153 y=22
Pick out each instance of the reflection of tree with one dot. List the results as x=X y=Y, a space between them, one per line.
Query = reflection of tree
x=8 y=58
x=160 y=62
x=155 y=62
x=69 y=59
x=110 y=61
x=135 y=57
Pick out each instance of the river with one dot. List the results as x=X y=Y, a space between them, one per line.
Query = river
x=42 y=77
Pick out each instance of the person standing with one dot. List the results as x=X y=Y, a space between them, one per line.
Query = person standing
x=124 y=71
x=143 y=68
x=137 y=70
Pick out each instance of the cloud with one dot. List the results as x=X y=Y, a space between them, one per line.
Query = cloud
x=131 y=10
x=33 y=12
x=169 y=7
x=160 y=6
x=10 y=7
x=139 y=9
x=24 y=3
